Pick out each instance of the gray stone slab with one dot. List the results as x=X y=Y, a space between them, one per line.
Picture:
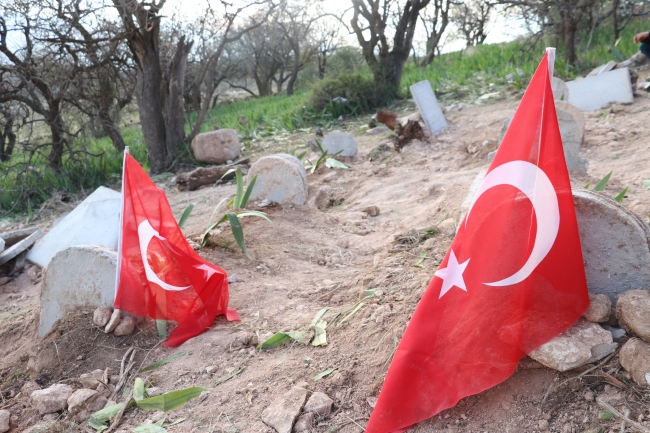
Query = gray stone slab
x=78 y=276
x=16 y=236
x=429 y=108
x=19 y=247
x=572 y=126
x=2 y=245
x=94 y=222
x=614 y=245
x=560 y=89
x=281 y=178
x=602 y=68
x=337 y=141
x=593 y=93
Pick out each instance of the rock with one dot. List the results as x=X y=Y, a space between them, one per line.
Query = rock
x=52 y=399
x=321 y=199
x=102 y=315
x=83 y=402
x=371 y=210
x=91 y=380
x=543 y=425
x=614 y=244
x=378 y=130
x=599 y=308
x=560 y=89
x=583 y=343
x=447 y=227
x=616 y=332
x=572 y=126
x=282 y=412
x=336 y=141
x=281 y=178
x=13 y=251
x=125 y=327
x=305 y=423
x=29 y=387
x=113 y=322
x=635 y=359
x=95 y=221
x=216 y=147
x=594 y=93
x=430 y=110
x=589 y=396
x=633 y=313
x=5 y=416
x=92 y=283
x=320 y=404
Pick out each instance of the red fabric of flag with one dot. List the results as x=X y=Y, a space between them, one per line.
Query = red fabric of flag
x=160 y=275
x=512 y=279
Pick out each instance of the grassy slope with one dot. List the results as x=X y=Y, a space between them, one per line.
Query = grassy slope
x=460 y=75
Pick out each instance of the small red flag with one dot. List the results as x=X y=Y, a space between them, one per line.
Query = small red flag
x=512 y=279
x=159 y=274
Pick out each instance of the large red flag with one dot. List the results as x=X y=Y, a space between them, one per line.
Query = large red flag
x=159 y=274
x=512 y=279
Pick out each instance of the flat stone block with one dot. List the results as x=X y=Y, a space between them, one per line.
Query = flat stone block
x=429 y=108
x=593 y=93
x=19 y=247
x=281 y=178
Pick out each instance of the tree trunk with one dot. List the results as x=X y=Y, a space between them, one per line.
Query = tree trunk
x=111 y=130
x=144 y=45
x=175 y=108
x=294 y=71
x=322 y=64
x=58 y=141
x=615 y=18
x=7 y=141
x=570 y=30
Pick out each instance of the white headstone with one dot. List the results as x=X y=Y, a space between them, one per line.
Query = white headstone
x=593 y=93
x=281 y=178
x=560 y=89
x=94 y=222
x=337 y=141
x=79 y=276
x=429 y=108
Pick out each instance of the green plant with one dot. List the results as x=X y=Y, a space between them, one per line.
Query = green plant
x=360 y=93
x=325 y=157
x=237 y=211
x=600 y=186
x=186 y=214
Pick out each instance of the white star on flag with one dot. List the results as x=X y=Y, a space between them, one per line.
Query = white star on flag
x=452 y=275
x=210 y=271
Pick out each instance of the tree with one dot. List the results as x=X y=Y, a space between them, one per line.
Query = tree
x=326 y=41
x=435 y=19
x=471 y=19
x=370 y=22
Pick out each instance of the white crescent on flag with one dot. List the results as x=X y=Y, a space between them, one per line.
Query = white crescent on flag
x=145 y=234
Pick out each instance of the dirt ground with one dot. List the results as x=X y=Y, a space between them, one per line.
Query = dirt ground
x=338 y=258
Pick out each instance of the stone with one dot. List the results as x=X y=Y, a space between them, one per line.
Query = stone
x=560 y=89
x=543 y=425
x=83 y=402
x=614 y=244
x=52 y=399
x=13 y=251
x=372 y=211
x=602 y=69
x=91 y=380
x=336 y=141
x=616 y=332
x=282 y=412
x=92 y=284
x=113 y=322
x=102 y=315
x=635 y=359
x=583 y=343
x=320 y=404
x=572 y=127
x=95 y=221
x=430 y=110
x=216 y=147
x=304 y=423
x=281 y=178
x=378 y=130
x=5 y=416
x=29 y=387
x=633 y=313
x=2 y=245
x=321 y=199
x=447 y=227
x=599 y=308
x=594 y=93
x=125 y=327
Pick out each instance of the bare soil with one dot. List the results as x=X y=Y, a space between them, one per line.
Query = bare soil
x=310 y=259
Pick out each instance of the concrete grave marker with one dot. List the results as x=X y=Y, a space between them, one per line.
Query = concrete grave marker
x=337 y=141
x=560 y=89
x=281 y=178
x=593 y=93
x=572 y=126
x=429 y=108
x=19 y=247
x=94 y=222
x=78 y=276
x=614 y=245
x=602 y=68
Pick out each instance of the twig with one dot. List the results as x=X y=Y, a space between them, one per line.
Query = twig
x=611 y=409
x=348 y=417
x=118 y=417
x=124 y=372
